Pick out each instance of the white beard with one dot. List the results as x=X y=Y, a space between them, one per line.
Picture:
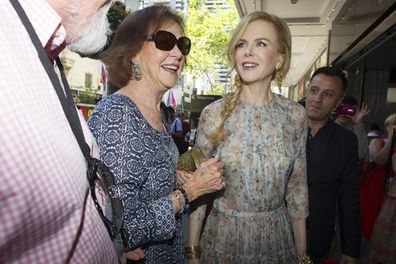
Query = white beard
x=94 y=37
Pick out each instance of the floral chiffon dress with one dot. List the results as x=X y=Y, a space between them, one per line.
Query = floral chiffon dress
x=266 y=186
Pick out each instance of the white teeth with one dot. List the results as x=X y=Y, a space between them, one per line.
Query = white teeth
x=173 y=68
x=249 y=64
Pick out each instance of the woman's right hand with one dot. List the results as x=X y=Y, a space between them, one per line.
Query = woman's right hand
x=208 y=178
x=134 y=254
x=183 y=177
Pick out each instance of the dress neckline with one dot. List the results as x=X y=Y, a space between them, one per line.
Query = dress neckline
x=257 y=107
x=130 y=101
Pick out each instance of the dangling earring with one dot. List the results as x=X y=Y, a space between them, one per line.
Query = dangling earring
x=237 y=80
x=136 y=72
x=278 y=78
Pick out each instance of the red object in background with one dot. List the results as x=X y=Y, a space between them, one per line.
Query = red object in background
x=84 y=111
x=301 y=89
x=103 y=78
x=171 y=101
x=371 y=197
x=372 y=180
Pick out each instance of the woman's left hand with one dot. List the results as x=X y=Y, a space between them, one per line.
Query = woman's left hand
x=183 y=177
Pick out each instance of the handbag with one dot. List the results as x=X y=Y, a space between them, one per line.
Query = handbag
x=190 y=160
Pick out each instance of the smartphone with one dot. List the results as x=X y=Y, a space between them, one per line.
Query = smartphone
x=347 y=109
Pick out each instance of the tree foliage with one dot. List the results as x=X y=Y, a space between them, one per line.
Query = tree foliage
x=209 y=30
x=116 y=15
x=87 y=97
x=217 y=89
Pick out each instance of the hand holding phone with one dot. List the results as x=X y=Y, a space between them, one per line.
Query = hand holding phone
x=347 y=109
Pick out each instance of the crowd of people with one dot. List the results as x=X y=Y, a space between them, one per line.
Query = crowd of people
x=283 y=180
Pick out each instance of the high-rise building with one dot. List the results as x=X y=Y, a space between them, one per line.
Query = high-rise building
x=222 y=73
x=178 y=5
x=212 y=4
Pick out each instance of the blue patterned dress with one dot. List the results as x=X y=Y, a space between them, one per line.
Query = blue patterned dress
x=143 y=161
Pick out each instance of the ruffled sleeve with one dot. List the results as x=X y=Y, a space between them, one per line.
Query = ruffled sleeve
x=207 y=124
x=297 y=188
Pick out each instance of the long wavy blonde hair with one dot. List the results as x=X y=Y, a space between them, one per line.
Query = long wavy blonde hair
x=390 y=121
x=231 y=99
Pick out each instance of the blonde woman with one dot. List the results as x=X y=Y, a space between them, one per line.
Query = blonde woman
x=260 y=137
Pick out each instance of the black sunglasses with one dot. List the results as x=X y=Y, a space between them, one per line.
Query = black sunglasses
x=101 y=182
x=165 y=40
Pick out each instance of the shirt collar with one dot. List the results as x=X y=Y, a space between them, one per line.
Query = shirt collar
x=45 y=20
x=56 y=43
x=323 y=128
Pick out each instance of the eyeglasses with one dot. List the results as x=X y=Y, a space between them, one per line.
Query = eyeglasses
x=101 y=182
x=165 y=40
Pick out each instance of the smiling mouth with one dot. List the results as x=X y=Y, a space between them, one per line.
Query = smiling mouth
x=170 y=68
x=249 y=65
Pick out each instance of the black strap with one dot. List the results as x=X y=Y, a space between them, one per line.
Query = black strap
x=64 y=94
x=66 y=100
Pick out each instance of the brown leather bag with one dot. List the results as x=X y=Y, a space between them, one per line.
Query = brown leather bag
x=190 y=160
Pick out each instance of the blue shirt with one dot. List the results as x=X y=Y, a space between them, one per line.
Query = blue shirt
x=143 y=161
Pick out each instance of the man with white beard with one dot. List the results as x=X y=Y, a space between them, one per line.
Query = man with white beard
x=47 y=212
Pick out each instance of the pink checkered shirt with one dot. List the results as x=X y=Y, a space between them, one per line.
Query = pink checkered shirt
x=44 y=198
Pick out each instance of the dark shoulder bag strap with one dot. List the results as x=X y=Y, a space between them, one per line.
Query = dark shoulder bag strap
x=63 y=93
x=66 y=100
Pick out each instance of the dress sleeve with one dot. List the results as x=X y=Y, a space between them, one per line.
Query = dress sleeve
x=297 y=188
x=143 y=221
x=205 y=127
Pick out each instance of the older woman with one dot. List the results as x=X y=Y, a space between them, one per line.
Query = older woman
x=260 y=137
x=145 y=59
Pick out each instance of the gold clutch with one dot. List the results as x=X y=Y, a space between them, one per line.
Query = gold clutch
x=190 y=160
